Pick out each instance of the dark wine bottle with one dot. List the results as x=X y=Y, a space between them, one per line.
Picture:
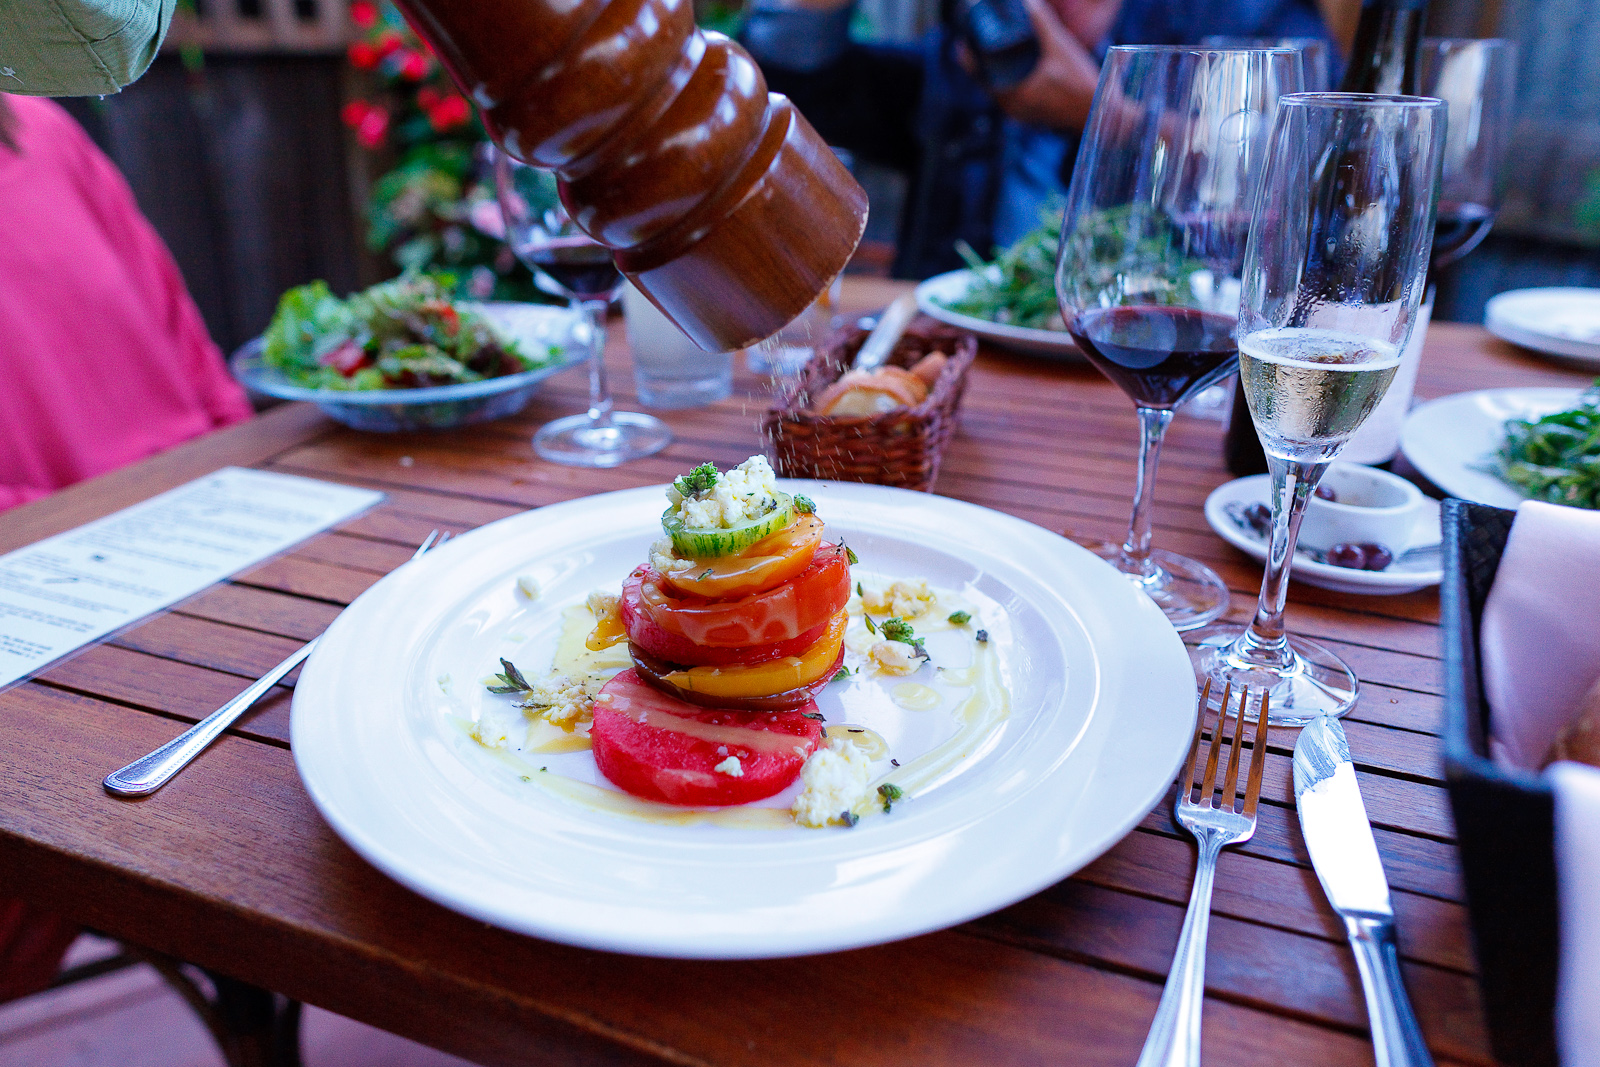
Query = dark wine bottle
x=1386 y=57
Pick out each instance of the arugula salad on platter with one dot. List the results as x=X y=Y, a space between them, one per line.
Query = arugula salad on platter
x=1555 y=458
x=401 y=334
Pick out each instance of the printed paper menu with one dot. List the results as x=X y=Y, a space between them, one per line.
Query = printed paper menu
x=67 y=591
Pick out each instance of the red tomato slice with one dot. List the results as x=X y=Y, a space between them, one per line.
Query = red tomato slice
x=803 y=603
x=653 y=746
x=767 y=563
x=675 y=649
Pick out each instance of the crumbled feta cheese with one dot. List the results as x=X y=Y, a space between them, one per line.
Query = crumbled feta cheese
x=561 y=698
x=748 y=491
x=835 y=779
x=665 y=559
x=894 y=657
x=907 y=599
x=528 y=586
x=487 y=735
x=731 y=767
x=602 y=604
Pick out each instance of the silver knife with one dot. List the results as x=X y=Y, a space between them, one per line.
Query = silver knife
x=1339 y=838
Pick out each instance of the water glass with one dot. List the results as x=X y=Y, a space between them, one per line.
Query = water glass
x=670 y=370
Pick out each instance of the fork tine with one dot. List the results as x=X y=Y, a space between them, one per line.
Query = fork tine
x=427 y=543
x=1230 y=788
x=1211 y=759
x=1258 y=760
x=1191 y=766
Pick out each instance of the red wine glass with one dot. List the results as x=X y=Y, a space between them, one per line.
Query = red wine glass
x=567 y=262
x=1152 y=244
x=1477 y=81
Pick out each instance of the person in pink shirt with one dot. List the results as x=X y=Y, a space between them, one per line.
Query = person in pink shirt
x=104 y=358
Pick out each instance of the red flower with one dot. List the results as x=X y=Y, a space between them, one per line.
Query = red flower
x=450 y=112
x=389 y=42
x=353 y=112
x=364 y=13
x=428 y=98
x=362 y=55
x=374 y=124
x=413 y=65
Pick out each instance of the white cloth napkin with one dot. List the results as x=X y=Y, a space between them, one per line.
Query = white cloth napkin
x=1577 y=788
x=1540 y=641
x=1540 y=636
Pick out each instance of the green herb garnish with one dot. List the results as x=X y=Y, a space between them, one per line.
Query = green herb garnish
x=897 y=629
x=804 y=504
x=850 y=554
x=510 y=679
x=859 y=593
x=849 y=818
x=871 y=629
x=888 y=792
x=843 y=672
x=960 y=618
x=696 y=481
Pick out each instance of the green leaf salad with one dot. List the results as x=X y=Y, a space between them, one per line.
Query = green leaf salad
x=403 y=334
x=1556 y=458
x=1019 y=287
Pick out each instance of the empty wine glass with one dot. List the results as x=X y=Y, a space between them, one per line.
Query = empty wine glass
x=1313 y=55
x=1477 y=81
x=567 y=262
x=1151 y=251
x=1334 y=274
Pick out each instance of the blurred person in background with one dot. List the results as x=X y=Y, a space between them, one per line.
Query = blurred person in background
x=103 y=360
x=982 y=164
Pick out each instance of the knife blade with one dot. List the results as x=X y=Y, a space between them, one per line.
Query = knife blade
x=1338 y=835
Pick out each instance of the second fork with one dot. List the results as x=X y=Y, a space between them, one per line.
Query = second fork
x=1174 y=1039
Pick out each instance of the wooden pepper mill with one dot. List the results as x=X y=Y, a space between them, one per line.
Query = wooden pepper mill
x=717 y=198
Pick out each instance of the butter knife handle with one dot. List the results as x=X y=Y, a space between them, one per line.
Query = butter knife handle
x=1396 y=1037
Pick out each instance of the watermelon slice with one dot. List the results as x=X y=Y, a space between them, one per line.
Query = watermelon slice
x=659 y=748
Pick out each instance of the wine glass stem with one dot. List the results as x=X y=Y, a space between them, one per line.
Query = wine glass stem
x=1153 y=424
x=1293 y=483
x=599 y=389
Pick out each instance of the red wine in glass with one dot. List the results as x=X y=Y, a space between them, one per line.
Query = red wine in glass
x=578 y=265
x=1457 y=229
x=1160 y=356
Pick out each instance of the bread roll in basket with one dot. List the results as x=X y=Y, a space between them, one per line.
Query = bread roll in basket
x=901 y=446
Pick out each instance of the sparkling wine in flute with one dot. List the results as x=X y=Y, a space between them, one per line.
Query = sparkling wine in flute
x=1310 y=389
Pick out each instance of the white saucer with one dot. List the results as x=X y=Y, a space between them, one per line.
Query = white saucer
x=1257 y=488
x=1558 y=321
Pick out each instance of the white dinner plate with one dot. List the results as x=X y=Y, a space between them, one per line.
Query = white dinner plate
x=1558 y=321
x=1451 y=439
x=1226 y=500
x=939 y=290
x=1102 y=705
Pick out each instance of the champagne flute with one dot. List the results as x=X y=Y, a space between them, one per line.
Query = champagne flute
x=1334 y=275
x=1477 y=81
x=1151 y=252
x=567 y=262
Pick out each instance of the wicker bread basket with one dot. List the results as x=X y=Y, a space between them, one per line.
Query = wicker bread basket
x=901 y=447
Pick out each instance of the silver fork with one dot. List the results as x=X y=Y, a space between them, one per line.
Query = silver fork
x=1174 y=1039
x=150 y=772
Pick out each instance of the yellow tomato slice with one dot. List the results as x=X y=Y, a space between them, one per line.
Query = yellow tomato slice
x=764 y=565
x=774 y=676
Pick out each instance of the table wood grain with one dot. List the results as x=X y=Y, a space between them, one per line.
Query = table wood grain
x=231 y=867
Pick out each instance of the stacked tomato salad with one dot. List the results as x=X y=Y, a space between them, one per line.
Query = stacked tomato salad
x=734 y=624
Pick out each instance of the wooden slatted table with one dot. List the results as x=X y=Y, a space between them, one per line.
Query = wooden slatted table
x=231 y=867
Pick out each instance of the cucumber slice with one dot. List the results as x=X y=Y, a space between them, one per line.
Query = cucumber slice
x=708 y=542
